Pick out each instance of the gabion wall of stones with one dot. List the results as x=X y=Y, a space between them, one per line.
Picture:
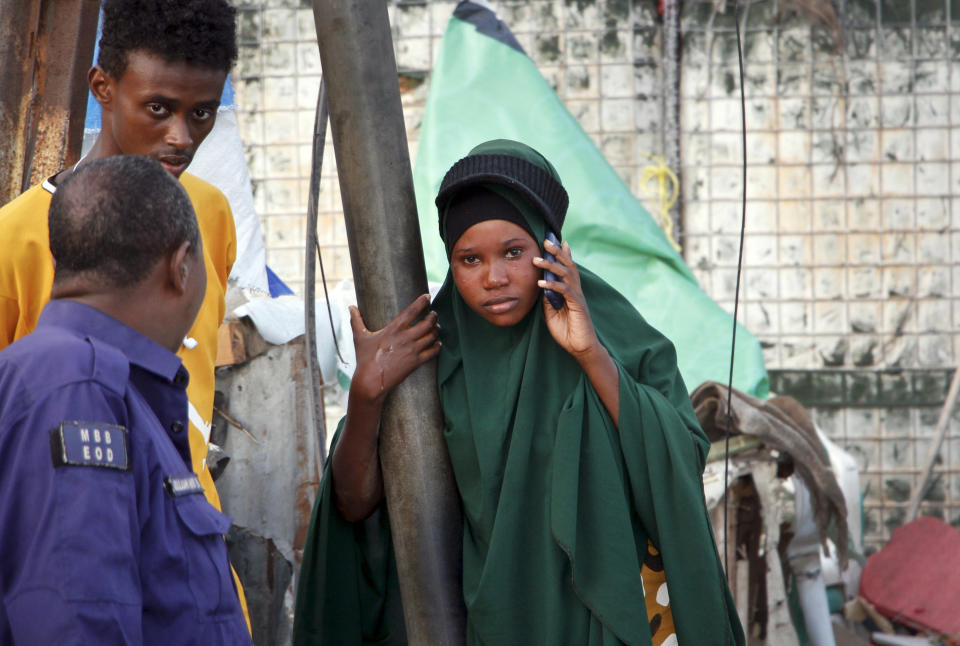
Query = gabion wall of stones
x=853 y=230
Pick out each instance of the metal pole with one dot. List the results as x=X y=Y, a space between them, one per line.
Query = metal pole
x=370 y=143
x=16 y=83
x=671 y=107
x=46 y=47
x=913 y=506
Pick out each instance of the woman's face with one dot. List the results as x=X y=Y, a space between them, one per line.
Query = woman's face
x=492 y=265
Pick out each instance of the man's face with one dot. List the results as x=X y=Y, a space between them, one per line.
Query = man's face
x=492 y=266
x=157 y=108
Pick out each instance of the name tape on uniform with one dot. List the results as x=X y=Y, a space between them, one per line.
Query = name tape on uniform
x=90 y=444
x=183 y=485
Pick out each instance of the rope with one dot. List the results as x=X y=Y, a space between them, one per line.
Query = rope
x=667 y=193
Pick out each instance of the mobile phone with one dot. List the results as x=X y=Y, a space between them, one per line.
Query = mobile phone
x=553 y=297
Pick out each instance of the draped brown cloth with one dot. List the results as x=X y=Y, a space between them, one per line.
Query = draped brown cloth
x=781 y=423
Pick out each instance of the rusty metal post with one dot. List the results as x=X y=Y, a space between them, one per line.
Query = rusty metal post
x=46 y=47
x=370 y=143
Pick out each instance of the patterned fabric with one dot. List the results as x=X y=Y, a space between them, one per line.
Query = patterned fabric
x=657 y=598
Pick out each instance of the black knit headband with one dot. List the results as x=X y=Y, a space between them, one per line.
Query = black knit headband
x=533 y=183
x=477 y=204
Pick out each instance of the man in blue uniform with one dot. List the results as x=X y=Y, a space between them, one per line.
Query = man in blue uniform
x=106 y=536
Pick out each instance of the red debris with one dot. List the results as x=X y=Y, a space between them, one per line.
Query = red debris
x=914 y=579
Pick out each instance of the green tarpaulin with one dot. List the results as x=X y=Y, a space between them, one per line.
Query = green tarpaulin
x=483 y=87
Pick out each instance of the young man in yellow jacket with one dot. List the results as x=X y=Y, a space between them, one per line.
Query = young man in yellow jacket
x=158 y=79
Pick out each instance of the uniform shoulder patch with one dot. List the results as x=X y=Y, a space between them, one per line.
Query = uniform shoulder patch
x=90 y=444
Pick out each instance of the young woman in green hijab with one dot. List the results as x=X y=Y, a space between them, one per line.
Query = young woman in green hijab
x=575 y=448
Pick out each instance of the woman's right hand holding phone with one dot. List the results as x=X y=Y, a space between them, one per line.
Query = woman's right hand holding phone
x=572 y=328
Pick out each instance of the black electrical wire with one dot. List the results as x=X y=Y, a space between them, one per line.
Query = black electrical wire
x=326 y=296
x=312 y=253
x=736 y=297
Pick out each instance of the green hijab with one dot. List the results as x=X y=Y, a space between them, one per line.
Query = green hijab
x=558 y=503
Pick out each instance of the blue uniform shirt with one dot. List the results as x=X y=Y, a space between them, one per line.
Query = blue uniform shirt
x=105 y=534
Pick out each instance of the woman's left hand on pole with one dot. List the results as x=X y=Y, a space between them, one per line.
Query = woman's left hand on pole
x=386 y=357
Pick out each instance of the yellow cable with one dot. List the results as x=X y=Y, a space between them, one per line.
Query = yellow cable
x=667 y=197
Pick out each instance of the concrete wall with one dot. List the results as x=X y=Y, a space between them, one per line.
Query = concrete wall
x=853 y=230
x=852 y=224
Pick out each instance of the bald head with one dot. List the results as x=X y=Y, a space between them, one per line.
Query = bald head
x=114 y=219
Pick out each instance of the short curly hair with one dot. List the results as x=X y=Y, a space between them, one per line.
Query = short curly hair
x=114 y=218
x=198 y=32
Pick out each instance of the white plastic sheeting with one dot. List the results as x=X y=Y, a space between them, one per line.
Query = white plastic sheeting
x=278 y=320
x=220 y=161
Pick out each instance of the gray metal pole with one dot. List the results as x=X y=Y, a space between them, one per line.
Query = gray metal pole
x=671 y=106
x=370 y=143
